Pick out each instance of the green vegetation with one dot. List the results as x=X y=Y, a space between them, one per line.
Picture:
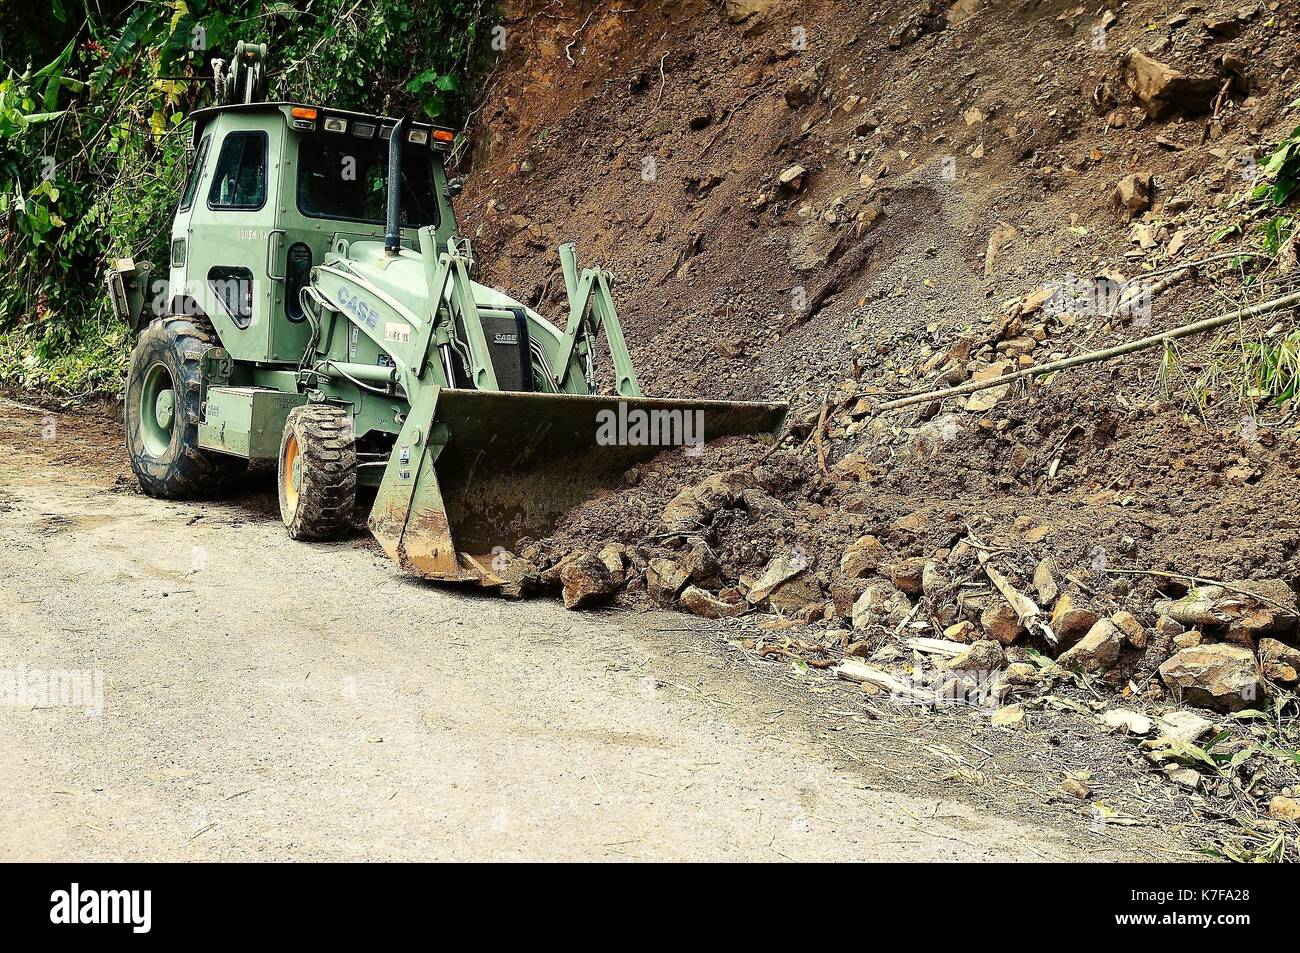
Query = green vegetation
x=1252 y=368
x=92 y=137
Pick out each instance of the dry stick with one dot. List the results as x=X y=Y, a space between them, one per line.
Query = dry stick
x=1172 y=277
x=1142 y=344
x=1201 y=579
x=1153 y=291
x=1200 y=262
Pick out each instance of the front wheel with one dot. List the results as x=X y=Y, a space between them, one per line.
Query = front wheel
x=318 y=472
x=162 y=412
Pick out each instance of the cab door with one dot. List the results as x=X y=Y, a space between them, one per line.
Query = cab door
x=232 y=231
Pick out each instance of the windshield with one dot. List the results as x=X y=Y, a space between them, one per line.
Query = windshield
x=345 y=177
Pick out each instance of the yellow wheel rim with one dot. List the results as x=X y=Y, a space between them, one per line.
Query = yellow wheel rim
x=292 y=478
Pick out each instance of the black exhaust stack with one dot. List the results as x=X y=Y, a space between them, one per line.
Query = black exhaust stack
x=393 y=227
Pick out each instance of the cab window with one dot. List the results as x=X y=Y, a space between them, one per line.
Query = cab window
x=195 y=173
x=239 y=181
x=345 y=177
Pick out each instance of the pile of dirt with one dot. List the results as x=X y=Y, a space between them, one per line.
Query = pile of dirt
x=805 y=202
x=832 y=206
x=784 y=188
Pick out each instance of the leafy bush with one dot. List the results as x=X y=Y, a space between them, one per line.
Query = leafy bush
x=92 y=137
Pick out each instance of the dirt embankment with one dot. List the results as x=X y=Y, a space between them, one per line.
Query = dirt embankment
x=834 y=206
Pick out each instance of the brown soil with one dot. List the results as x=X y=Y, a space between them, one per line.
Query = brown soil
x=654 y=135
x=707 y=255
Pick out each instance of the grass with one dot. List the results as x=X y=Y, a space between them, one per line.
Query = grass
x=1249 y=371
x=92 y=364
x=1259 y=758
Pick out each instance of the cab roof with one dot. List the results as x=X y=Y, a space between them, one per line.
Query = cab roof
x=202 y=117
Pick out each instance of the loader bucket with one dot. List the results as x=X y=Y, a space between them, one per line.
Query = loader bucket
x=473 y=472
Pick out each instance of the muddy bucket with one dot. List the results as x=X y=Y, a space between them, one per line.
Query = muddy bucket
x=488 y=468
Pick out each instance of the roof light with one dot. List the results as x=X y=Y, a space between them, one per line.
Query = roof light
x=418 y=136
x=303 y=117
x=336 y=124
x=443 y=135
x=366 y=130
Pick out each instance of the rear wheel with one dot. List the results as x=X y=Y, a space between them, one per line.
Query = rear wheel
x=318 y=472
x=162 y=412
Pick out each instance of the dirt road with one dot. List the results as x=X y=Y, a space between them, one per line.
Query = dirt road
x=269 y=700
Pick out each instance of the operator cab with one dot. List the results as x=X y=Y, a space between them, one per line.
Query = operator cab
x=274 y=188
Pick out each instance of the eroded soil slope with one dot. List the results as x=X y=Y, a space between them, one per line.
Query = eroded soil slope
x=836 y=206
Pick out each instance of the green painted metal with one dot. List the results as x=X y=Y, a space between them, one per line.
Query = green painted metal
x=158 y=400
x=246 y=421
x=591 y=307
x=401 y=340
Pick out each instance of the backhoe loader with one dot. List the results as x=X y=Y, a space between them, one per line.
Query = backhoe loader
x=320 y=311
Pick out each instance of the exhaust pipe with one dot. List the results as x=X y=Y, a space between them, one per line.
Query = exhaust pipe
x=393 y=225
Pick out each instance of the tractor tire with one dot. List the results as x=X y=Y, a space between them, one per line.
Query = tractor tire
x=162 y=412
x=318 y=472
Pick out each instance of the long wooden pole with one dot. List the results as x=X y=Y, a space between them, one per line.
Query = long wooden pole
x=1197 y=327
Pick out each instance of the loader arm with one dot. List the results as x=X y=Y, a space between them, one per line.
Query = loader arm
x=590 y=294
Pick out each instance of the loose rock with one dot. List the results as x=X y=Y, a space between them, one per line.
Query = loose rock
x=1127 y=721
x=880 y=605
x=1075 y=789
x=1133 y=194
x=963 y=631
x=1225 y=677
x=702 y=603
x=1284 y=808
x=1164 y=91
x=907 y=575
x=1279 y=661
x=585 y=580
x=1000 y=622
x=1097 y=651
x=1183 y=725
x=1022 y=673
x=665 y=579
x=779 y=568
x=983 y=656
x=1135 y=633
x=1071 y=622
x=863 y=557
x=1045 y=583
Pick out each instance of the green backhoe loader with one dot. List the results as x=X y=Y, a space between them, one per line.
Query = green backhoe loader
x=320 y=310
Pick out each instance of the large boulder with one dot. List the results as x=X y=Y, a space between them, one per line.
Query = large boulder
x=1097 y=651
x=1221 y=676
x=1164 y=91
x=586 y=579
